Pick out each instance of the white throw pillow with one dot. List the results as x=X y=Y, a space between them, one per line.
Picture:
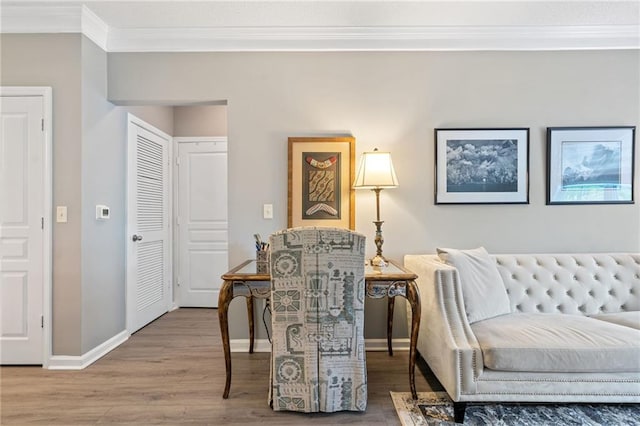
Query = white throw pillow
x=483 y=290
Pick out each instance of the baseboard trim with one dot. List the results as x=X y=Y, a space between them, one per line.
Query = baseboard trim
x=373 y=345
x=69 y=362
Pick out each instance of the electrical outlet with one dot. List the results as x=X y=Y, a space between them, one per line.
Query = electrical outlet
x=267 y=211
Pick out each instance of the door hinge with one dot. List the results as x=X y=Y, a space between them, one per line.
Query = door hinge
x=42 y=124
x=41 y=321
x=42 y=222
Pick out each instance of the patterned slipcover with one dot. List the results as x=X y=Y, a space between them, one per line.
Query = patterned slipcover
x=317 y=301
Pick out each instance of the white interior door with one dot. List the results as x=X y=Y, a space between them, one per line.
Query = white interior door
x=202 y=223
x=148 y=224
x=22 y=211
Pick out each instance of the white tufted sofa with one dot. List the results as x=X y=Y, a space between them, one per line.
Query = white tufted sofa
x=528 y=355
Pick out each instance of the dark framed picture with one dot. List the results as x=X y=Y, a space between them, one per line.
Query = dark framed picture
x=482 y=166
x=590 y=165
x=321 y=173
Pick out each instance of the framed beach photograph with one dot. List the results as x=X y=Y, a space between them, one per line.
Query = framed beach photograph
x=482 y=166
x=321 y=173
x=590 y=165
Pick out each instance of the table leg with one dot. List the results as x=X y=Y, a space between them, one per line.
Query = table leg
x=226 y=294
x=413 y=296
x=251 y=325
x=390 y=305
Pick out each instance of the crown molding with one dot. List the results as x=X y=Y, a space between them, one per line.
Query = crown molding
x=94 y=28
x=41 y=19
x=54 y=19
x=80 y=19
x=376 y=38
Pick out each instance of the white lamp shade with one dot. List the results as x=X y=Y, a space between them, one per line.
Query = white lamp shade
x=376 y=171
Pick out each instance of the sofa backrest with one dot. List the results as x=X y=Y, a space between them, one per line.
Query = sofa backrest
x=586 y=284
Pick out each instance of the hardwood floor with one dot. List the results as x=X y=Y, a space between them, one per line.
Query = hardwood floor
x=172 y=372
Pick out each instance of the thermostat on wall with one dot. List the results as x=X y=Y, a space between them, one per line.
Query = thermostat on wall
x=102 y=212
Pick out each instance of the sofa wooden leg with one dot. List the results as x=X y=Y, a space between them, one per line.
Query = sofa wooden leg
x=458 y=411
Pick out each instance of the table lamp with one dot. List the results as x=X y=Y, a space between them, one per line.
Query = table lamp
x=376 y=172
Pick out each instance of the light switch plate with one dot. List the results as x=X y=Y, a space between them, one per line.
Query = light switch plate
x=267 y=211
x=61 y=214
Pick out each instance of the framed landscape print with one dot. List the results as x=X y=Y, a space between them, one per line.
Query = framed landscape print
x=321 y=173
x=482 y=166
x=590 y=165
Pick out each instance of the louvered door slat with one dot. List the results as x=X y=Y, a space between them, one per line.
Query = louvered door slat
x=150 y=185
x=150 y=274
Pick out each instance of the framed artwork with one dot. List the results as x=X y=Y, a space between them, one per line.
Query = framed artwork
x=482 y=166
x=321 y=173
x=590 y=165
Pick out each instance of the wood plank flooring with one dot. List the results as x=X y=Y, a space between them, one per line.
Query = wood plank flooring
x=172 y=372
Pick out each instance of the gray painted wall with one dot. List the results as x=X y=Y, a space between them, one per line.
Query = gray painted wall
x=393 y=101
x=89 y=168
x=40 y=60
x=201 y=120
x=388 y=100
x=104 y=180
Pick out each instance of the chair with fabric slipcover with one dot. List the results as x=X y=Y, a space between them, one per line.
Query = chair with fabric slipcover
x=318 y=360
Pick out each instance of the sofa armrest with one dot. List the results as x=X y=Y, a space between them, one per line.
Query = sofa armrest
x=446 y=340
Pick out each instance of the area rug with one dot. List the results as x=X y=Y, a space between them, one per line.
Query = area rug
x=436 y=409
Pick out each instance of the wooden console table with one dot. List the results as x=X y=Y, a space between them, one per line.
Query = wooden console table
x=394 y=280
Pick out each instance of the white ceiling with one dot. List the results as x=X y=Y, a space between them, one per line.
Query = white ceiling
x=216 y=25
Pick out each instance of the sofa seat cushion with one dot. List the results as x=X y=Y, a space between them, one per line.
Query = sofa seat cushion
x=539 y=342
x=628 y=319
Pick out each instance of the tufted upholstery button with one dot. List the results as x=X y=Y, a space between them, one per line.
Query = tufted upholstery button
x=519 y=307
x=555 y=277
x=527 y=291
x=596 y=277
x=539 y=307
x=591 y=293
x=581 y=308
x=611 y=292
x=513 y=277
x=575 y=278
x=535 y=277
x=548 y=292
x=623 y=307
x=616 y=277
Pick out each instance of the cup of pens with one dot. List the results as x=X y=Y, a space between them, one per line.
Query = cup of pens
x=262 y=255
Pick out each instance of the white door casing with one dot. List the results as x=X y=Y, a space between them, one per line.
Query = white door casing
x=148 y=224
x=201 y=220
x=25 y=225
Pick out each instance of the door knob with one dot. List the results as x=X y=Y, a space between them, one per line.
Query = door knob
x=136 y=238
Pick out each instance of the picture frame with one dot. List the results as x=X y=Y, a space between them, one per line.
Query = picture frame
x=320 y=190
x=590 y=165
x=482 y=166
